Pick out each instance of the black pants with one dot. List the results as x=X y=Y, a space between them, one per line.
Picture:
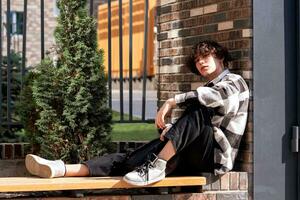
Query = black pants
x=192 y=137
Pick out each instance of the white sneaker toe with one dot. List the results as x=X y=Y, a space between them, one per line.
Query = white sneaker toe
x=44 y=168
x=148 y=173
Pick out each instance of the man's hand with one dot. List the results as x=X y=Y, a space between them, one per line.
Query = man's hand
x=162 y=135
x=164 y=111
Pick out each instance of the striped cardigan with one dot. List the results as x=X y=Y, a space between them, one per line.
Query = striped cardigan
x=228 y=95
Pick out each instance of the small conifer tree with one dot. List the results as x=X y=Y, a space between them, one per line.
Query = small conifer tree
x=74 y=121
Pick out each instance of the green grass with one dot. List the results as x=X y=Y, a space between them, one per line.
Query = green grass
x=132 y=131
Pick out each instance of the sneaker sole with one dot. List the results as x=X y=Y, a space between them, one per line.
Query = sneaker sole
x=36 y=168
x=162 y=176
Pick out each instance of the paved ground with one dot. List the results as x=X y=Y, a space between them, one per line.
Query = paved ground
x=151 y=102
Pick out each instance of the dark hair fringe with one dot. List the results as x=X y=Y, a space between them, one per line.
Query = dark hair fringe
x=204 y=48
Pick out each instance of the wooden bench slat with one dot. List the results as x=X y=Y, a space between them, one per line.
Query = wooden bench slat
x=26 y=184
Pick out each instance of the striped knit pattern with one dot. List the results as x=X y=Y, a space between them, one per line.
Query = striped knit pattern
x=228 y=94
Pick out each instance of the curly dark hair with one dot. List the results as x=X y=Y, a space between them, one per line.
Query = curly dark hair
x=205 y=48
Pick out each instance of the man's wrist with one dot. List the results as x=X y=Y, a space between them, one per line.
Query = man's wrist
x=171 y=102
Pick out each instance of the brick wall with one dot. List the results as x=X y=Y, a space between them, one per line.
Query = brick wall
x=12 y=159
x=181 y=23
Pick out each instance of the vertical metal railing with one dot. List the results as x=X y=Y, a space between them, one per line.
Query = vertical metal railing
x=130 y=60
x=8 y=90
x=10 y=82
x=1 y=60
x=91 y=9
x=145 y=60
x=24 y=44
x=109 y=54
x=42 y=30
x=298 y=90
x=144 y=66
x=121 y=60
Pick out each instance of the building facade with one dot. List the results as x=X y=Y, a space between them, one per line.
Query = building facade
x=33 y=28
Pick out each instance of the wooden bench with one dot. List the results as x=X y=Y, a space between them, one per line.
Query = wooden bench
x=29 y=184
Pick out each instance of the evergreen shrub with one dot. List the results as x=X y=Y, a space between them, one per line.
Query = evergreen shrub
x=71 y=119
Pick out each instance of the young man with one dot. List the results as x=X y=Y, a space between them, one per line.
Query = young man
x=204 y=139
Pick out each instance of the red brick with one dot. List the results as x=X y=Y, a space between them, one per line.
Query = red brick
x=176 y=78
x=234 y=181
x=248 y=136
x=187 y=5
x=226 y=5
x=162 y=36
x=1 y=151
x=179 y=60
x=237 y=44
x=176 y=43
x=244 y=156
x=212 y=8
x=215 y=185
x=18 y=151
x=242 y=64
x=239 y=13
x=165 y=18
x=242 y=23
x=164 y=27
x=166 y=95
x=243 y=181
x=165 y=44
x=8 y=151
x=243 y=166
x=246 y=146
x=225 y=182
x=190 y=22
x=196 y=31
x=249 y=126
x=174 y=16
x=251 y=106
x=171 y=52
x=227 y=35
x=195 y=196
x=240 y=3
x=232 y=195
x=176 y=87
x=104 y=197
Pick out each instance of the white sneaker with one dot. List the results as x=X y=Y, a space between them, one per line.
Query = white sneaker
x=148 y=173
x=44 y=168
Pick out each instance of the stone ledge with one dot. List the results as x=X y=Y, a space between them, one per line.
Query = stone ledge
x=231 y=181
x=183 y=196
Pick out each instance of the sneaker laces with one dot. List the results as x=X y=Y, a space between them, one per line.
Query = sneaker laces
x=143 y=170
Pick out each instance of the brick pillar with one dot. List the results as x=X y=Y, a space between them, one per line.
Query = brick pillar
x=182 y=23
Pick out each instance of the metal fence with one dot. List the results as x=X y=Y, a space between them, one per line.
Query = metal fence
x=130 y=79
x=6 y=119
x=7 y=101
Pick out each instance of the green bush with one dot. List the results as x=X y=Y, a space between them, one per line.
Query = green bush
x=73 y=121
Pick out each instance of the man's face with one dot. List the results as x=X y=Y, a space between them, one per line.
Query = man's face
x=209 y=66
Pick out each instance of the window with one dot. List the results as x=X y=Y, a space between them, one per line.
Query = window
x=16 y=23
